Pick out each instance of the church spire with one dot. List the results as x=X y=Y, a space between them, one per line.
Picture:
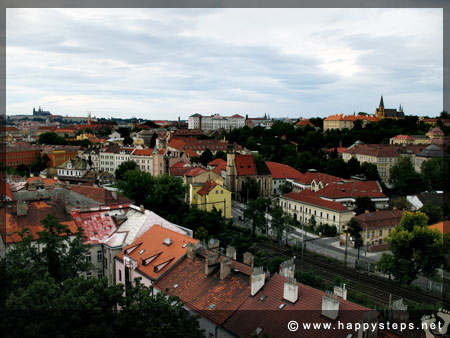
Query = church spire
x=381 y=102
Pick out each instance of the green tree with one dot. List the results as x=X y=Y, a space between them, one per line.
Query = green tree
x=123 y=168
x=153 y=140
x=402 y=203
x=363 y=203
x=250 y=189
x=51 y=138
x=201 y=234
x=415 y=248
x=254 y=214
x=206 y=157
x=127 y=140
x=434 y=212
x=221 y=154
x=432 y=174
x=370 y=171
x=405 y=179
x=354 y=230
x=281 y=222
x=39 y=164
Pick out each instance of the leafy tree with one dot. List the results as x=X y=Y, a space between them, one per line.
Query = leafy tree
x=39 y=164
x=127 y=140
x=362 y=204
x=201 y=234
x=354 y=230
x=402 y=203
x=51 y=138
x=221 y=154
x=281 y=222
x=434 y=212
x=405 y=179
x=327 y=230
x=254 y=214
x=370 y=171
x=206 y=157
x=432 y=174
x=415 y=248
x=123 y=168
x=250 y=189
x=124 y=132
x=153 y=140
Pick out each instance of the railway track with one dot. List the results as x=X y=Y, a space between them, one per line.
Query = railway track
x=376 y=288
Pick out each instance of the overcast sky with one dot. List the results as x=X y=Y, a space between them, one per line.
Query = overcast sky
x=165 y=63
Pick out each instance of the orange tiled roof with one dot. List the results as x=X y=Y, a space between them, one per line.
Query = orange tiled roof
x=143 y=152
x=352 y=189
x=199 y=291
x=380 y=219
x=207 y=187
x=245 y=165
x=304 y=122
x=154 y=253
x=37 y=211
x=100 y=195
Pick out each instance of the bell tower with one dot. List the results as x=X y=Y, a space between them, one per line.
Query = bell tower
x=380 y=110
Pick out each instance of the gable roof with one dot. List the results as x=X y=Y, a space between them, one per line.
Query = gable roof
x=310 y=176
x=382 y=218
x=351 y=189
x=157 y=250
x=443 y=227
x=304 y=122
x=207 y=188
x=265 y=314
x=199 y=291
x=310 y=197
x=101 y=195
x=245 y=165
x=280 y=171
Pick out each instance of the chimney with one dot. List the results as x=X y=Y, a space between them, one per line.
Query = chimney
x=211 y=261
x=340 y=291
x=287 y=268
x=213 y=245
x=225 y=267
x=257 y=280
x=248 y=259
x=330 y=306
x=67 y=206
x=31 y=187
x=22 y=208
x=290 y=290
x=395 y=208
x=141 y=207
x=367 y=211
x=231 y=252
x=190 y=253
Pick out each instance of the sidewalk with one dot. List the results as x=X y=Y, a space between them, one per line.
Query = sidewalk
x=349 y=249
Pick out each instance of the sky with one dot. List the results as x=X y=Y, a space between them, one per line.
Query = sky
x=164 y=63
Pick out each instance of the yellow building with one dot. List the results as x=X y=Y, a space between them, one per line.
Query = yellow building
x=388 y=113
x=209 y=195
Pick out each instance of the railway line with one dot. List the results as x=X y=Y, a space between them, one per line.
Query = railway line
x=376 y=288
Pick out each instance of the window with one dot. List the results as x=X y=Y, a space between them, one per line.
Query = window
x=89 y=275
x=373 y=233
x=380 y=241
x=99 y=255
x=100 y=275
x=120 y=275
x=381 y=232
x=88 y=257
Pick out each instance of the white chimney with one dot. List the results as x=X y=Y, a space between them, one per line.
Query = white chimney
x=290 y=290
x=257 y=280
x=340 y=291
x=225 y=267
x=330 y=306
x=231 y=252
x=287 y=268
x=248 y=259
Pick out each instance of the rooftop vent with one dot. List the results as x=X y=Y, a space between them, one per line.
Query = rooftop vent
x=141 y=252
x=281 y=306
x=184 y=245
x=175 y=286
x=262 y=297
x=167 y=241
x=212 y=306
x=258 y=331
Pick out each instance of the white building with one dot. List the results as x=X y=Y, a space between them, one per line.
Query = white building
x=215 y=122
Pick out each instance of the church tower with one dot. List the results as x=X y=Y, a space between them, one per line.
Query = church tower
x=231 y=169
x=380 y=110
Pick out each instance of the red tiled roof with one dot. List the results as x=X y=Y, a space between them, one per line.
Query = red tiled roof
x=97 y=225
x=304 y=122
x=218 y=169
x=37 y=211
x=100 y=195
x=153 y=255
x=383 y=150
x=179 y=165
x=179 y=171
x=143 y=152
x=279 y=171
x=194 y=172
x=245 y=165
x=237 y=115
x=8 y=129
x=217 y=161
x=8 y=191
x=338 y=149
x=308 y=177
x=265 y=314
x=48 y=128
x=403 y=137
x=199 y=291
x=341 y=117
x=207 y=187
x=380 y=219
x=352 y=189
x=310 y=197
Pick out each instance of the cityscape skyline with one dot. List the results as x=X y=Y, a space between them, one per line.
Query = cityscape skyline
x=165 y=63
